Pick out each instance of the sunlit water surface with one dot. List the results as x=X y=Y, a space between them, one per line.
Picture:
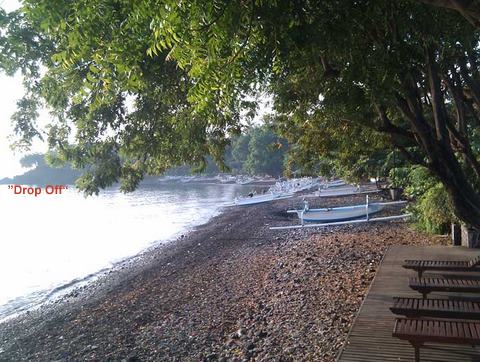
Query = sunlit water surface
x=49 y=241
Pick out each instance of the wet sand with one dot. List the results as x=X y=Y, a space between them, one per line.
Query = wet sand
x=230 y=290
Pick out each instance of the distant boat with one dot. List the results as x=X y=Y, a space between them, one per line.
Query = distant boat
x=338 y=191
x=258 y=199
x=334 y=183
x=294 y=185
x=337 y=213
x=226 y=179
x=342 y=191
x=244 y=180
x=169 y=178
x=186 y=179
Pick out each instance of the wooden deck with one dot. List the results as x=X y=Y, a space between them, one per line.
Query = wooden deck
x=370 y=338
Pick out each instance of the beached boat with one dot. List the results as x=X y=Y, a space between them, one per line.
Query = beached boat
x=334 y=183
x=226 y=179
x=187 y=179
x=339 y=213
x=338 y=191
x=294 y=185
x=342 y=213
x=346 y=190
x=170 y=178
x=244 y=180
x=258 y=199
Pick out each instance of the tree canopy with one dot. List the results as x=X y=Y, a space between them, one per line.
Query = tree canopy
x=136 y=87
x=265 y=153
x=469 y=9
x=257 y=151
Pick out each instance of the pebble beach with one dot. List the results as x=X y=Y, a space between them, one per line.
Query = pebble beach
x=231 y=290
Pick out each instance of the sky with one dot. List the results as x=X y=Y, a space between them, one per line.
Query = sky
x=11 y=90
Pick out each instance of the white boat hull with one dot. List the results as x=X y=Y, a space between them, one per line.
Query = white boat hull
x=339 y=213
x=335 y=183
x=339 y=191
x=258 y=199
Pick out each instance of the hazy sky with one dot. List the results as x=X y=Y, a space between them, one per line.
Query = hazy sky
x=11 y=90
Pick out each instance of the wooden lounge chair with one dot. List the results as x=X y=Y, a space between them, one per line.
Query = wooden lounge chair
x=428 y=285
x=440 y=308
x=446 y=265
x=420 y=331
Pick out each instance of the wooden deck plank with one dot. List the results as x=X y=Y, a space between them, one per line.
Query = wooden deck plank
x=370 y=338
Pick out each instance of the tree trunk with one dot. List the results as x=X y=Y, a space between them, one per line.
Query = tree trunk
x=466 y=201
x=441 y=158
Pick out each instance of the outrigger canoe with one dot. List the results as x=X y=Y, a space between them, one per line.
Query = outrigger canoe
x=337 y=213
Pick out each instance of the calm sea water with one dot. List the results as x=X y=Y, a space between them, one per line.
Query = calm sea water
x=48 y=241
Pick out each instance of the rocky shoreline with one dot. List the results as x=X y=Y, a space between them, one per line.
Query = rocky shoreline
x=230 y=290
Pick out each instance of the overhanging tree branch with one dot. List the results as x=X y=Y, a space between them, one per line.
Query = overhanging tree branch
x=388 y=127
x=412 y=157
x=467 y=8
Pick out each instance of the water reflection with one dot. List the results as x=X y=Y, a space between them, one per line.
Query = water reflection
x=50 y=240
